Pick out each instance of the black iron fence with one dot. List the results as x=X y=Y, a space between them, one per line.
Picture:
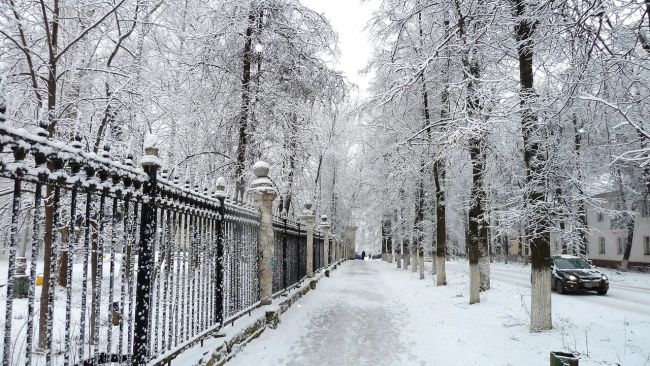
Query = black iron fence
x=109 y=262
x=290 y=254
x=319 y=251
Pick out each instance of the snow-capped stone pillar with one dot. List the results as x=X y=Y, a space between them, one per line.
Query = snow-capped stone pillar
x=309 y=219
x=325 y=227
x=263 y=194
x=350 y=240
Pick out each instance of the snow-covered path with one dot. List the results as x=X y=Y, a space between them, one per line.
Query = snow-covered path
x=370 y=313
x=353 y=318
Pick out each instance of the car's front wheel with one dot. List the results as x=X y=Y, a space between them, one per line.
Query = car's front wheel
x=559 y=287
x=602 y=292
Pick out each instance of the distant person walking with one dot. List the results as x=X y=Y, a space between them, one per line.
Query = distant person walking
x=363 y=255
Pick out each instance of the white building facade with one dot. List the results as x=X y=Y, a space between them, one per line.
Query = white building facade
x=607 y=234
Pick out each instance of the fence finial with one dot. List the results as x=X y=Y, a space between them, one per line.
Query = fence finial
x=106 y=151
x=151 y=147
x=262 y=183
x=44 y=118
x=75 y=144
x=221 y=187
x=129 y=160
x=307 y=211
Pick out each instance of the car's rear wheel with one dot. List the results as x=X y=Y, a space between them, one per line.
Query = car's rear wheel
x=559 y=287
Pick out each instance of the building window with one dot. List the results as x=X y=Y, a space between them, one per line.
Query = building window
x=601 y=245
x=557 y=245
x=621 y=246
x=645 y=208
x=600 y=217
x=619 y=206
x=646 y=245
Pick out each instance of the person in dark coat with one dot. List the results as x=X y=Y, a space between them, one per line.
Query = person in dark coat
x=363 y=255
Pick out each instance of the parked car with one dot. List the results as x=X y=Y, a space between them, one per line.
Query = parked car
x=357 y=255
x=575 y=274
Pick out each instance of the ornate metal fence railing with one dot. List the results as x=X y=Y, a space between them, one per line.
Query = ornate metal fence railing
x=319 y=263
x=80 y=212
x=113 y=263
x=290 y=254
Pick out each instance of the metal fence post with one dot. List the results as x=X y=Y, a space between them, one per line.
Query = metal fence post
x=284 y=252
x=150 y=164
x=218 y=296
x=298 y=255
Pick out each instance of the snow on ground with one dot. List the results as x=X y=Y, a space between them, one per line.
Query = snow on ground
x=19 y=325
x=370 y=313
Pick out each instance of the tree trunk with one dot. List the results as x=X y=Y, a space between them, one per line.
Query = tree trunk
x=439 y=181
x=407 y=254
x=540 y=314
x=628 y=242
x=484 y=249
x=292 y=146
x=397 y=247
x=506 y=248
x=389 y=248
x=383 y=240
x=418 y=242
x=49 y=208
x=582 y=213
x=414 y=257
x=245 y=107
x=477 y=230
x=441 y=228
x=398 y=253
x=477 y=234
x=62 y=275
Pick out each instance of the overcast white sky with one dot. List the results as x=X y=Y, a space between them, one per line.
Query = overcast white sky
x=348 y=18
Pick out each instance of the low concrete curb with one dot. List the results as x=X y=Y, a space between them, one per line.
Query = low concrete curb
x=264 y=317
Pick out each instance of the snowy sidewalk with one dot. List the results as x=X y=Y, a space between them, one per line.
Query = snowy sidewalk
x=351 y=319
x=370 y=313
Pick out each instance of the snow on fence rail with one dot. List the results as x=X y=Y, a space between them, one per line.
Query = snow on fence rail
x=110 y=240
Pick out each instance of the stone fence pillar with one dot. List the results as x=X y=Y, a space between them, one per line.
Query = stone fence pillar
x=309 y=218
x=325 y=226
x=350 y=240
x=263 y=194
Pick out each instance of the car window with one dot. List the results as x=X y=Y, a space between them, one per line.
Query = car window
x=571 y=263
